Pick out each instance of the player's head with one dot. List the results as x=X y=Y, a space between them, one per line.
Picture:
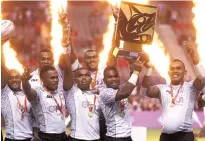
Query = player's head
x=49 y=77
x=111 y=77
x=177 y=71
x=14 y=80
x=83 y=78
x=45 y=57
x=91 y=60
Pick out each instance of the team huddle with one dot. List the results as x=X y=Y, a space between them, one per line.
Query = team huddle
x=98 y=107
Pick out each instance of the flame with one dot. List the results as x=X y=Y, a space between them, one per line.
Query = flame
x=199 y=23
x=56 y=28
x=11 y=60
x=158 y=57
x=107 y=40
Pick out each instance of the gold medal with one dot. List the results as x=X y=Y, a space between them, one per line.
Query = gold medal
x=122 y=114
x=90 y=114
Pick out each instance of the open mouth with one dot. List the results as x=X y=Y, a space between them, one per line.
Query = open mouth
x=175 y=75
x=15 y=84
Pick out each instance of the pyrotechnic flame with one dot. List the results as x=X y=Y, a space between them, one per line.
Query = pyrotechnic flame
x=107 y=42
x=56 y=28
x=158 y=57
x=11 y=60
x=198 y=10
x=107 y=39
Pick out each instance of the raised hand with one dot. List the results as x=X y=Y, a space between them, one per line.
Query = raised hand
x=63 y=20
x=148 y=65
x=138 y=64
x=26 y=75
x=191 y=51
x=188 y=48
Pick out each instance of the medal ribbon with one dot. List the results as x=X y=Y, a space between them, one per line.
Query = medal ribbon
x=122 y=105
x=91 y=107
x=94 y=81
x=20 y=106
x=172 y=93
x=60 y=107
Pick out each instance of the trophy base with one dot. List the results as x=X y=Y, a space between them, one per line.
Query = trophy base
x=130 y=55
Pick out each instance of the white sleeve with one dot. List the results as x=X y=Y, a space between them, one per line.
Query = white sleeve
x=160 y=87
x=75 y=65
x=107 y=95
x=5 y=90
x=35 y=101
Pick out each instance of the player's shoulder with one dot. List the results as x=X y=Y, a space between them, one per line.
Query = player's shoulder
x=106 y=90
x=5 y=89
x=162 y=86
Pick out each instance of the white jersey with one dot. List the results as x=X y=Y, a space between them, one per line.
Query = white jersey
x=83 y=126
x=18 y=127
x=178 y=117
x=47 y=113
x=118 y=123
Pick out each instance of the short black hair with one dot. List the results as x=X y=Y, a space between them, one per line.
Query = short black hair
x=108 y=68
x=46 y=69
x=90 y=50
x=79 y=70
x=178 y=60
x=45 y=50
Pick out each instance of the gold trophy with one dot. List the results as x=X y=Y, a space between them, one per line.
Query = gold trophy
x=135 y=27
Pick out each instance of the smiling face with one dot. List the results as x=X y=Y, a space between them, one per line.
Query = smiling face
x=45 y=59
x=91 y=60
x=14 y=80
x=112 y=79
x=177 y=72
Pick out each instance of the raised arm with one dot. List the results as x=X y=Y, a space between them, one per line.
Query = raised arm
x=127 y=89
x=199 y=81
x=68 y=76
x=4 y=73
x=148 y=90
x=29 y=92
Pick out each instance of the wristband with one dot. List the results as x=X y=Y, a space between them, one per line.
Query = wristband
x=149 y=72
x=134 y=77
x=75 y=65
x=200 y=69
x=203 y=97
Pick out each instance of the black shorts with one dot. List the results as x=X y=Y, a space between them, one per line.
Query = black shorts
x=6 y=139
x=107 y=138
x=103 y=128
x=52 y=137
x=74 y=139
x=178 y=136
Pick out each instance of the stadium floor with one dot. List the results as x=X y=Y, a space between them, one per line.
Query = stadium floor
x=152 y=135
